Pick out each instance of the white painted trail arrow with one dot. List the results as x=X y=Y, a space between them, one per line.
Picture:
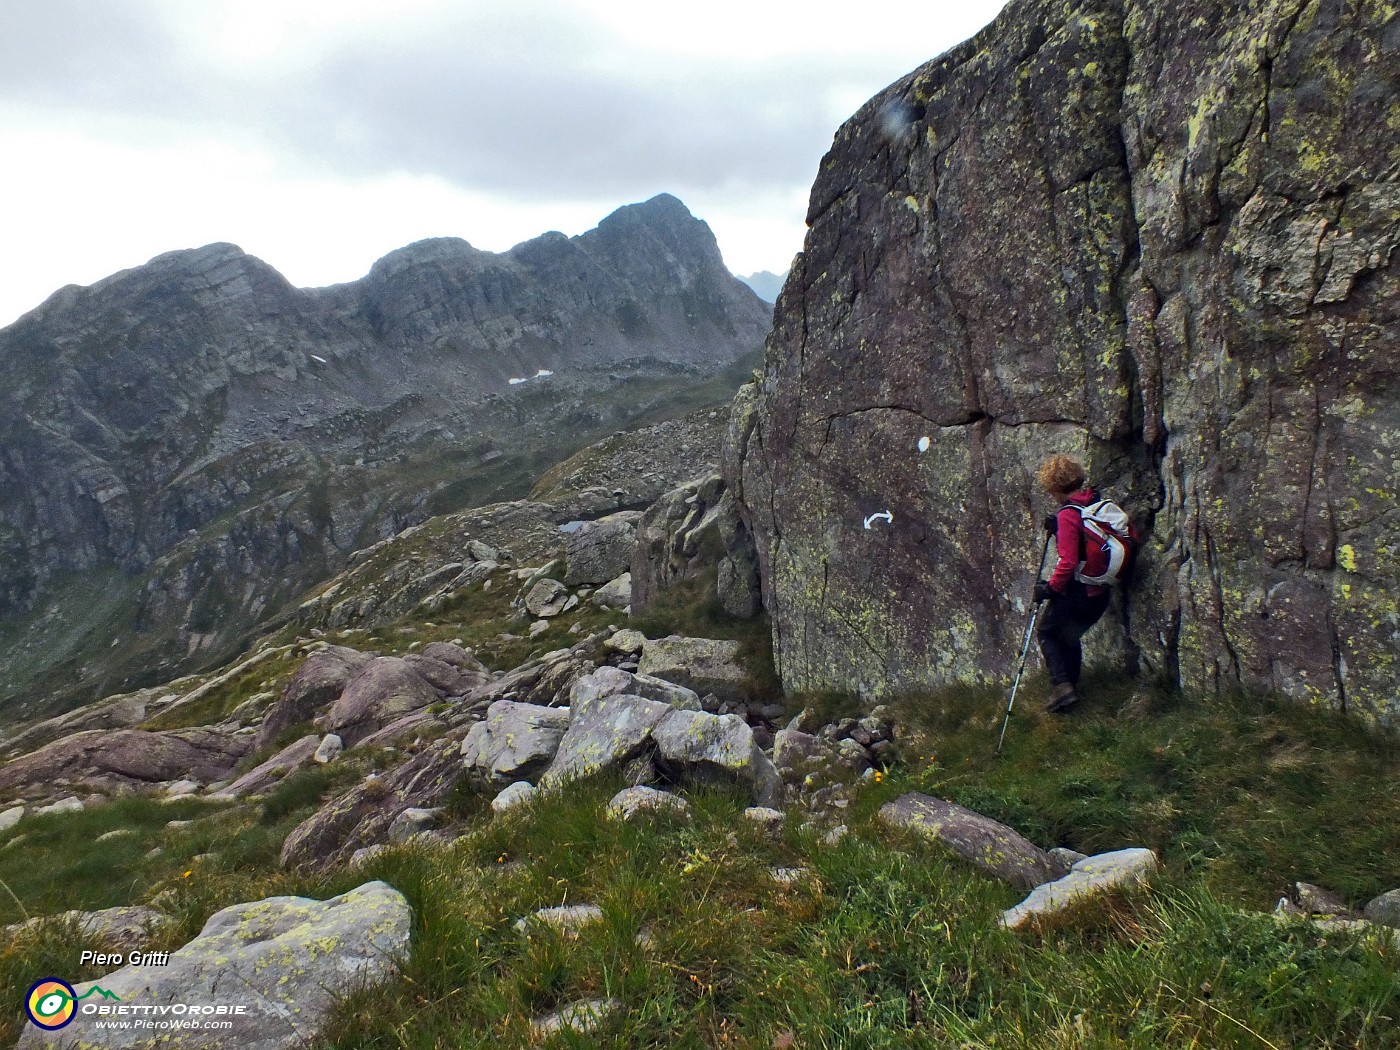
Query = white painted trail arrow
x=883 y=514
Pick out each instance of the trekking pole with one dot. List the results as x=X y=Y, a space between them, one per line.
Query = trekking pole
x=1025 y=647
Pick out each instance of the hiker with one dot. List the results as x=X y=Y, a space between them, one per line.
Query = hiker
x=1074 y=606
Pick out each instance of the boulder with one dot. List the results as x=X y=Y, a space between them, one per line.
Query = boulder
x=626 y=642
x=693 y=746
x=11 y=817
x=383 y=690
x=414 y=821
x=1089 y=877
x=318 y=683
x=599 y=551
x=795 y=754
x=1066 y=858
x=982 y=842
x=546 y=598
x=122 y=929
x=604 y=733
x=1384 y=909
x=616 y=594
x=691 y=529
x=632 y=802
x=515 y=741
x=483 y=551
x=285 y=961
x=1315 y=900
x=516 y=794
x=257 y=780
x=328 y=750
x=613 y=681
x=705 y=665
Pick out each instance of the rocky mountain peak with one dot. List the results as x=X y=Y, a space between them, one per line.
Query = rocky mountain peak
x=198 y=420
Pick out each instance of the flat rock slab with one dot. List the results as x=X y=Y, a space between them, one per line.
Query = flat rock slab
x=567 y=920
x=613 y=681
x=259 y=779
x=981 y=841
x=1089 y=877
x=1388 y=935
x=633 y=802
x=581 y=1017
x=702 y=664
x=790 y=877
x=284 y=960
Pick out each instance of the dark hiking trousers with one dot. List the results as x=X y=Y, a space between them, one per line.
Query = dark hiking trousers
x=1064 y=622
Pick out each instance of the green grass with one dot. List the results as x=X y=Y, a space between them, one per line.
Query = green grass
x=1251 y=793
x=892 y=943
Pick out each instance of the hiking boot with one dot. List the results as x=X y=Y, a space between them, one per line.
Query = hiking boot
x=1060 y=700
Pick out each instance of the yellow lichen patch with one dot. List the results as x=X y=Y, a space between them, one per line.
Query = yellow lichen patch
x=1346 y=557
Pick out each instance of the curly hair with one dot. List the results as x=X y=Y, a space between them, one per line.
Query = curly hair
x=1059 y=474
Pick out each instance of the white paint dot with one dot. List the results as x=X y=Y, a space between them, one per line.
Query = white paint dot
x=923 y=444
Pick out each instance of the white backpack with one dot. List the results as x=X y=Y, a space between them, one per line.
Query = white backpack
x=1110 y=524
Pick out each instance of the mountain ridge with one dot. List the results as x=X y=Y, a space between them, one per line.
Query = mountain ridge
x=202 y=409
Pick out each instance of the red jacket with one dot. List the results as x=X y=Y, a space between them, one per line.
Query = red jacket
x=1074 y=544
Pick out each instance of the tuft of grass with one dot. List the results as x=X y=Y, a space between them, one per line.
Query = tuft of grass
x=1251 y=792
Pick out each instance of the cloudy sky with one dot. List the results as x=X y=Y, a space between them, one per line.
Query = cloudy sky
x=321 y=134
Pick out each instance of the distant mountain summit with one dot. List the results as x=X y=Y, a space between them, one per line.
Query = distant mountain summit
x=185 y=444
x=766 y=284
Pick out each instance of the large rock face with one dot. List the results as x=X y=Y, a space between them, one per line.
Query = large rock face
x=1158 y=236
x=202 y=441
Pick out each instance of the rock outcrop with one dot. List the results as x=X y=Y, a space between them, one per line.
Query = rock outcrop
x=125 y=759
x=1160 y=237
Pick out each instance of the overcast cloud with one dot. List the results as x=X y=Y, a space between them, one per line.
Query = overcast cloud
x=321 y=135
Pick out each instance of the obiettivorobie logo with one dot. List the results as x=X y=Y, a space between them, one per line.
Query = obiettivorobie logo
x=52 y=1004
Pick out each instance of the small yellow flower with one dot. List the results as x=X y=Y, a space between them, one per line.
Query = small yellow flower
x=187 y=874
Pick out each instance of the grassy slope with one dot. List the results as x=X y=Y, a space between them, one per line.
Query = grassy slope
x=893 y=944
